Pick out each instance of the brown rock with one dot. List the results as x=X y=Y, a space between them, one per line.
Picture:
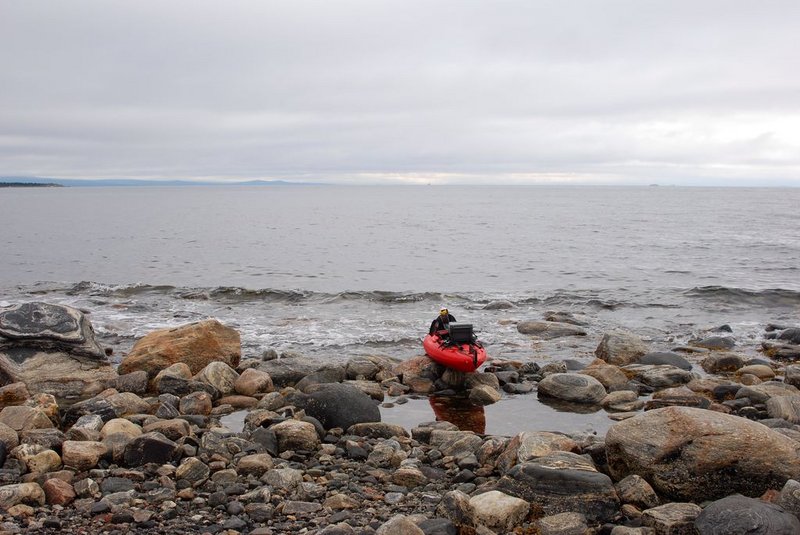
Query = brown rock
x=196 y=403
x=610 y=376
x=43 y=462
x=122 y=426
x=196 y=344
x=695 y=455
x=11 y=495
x=8 y=436
x=47 y=404
x=256 y=464
x=21 y=418
x=180 y=370
x=82 y=455
x=13 y=394
x=58 y=492
x=172 y=429
x=296 y=435
x=252 y=381
x=238 y=402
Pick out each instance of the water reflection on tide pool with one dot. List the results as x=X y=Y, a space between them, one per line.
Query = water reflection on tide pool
x=509 y=416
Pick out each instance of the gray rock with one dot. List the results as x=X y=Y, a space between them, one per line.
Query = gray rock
x=790 y=497
x=52 y=349
x=563 y=482
x=499 y=511
x=219 y=375
x=572 y=387
x=715 y=343
x=791 y=336
x=290 y=368
x=377 y=430
x=455 y=506
x=761 y=393
x=498 y=305
x=93 y=406
x=784 y=407
x=738 y=514
x=327 y=374
x=621 y=348
x=458 y=444
x=151 y=448
x=49 y=327
x=338 y=405
x=636 y=491
x=722 y=362
x=28 y=493
x=135 y=382
x=562 y=524
x=549 y=329
x=672 y=518
x=484 y=395
x=193 y=470
x=529 y=445
x=565 y=317
x=399 y=525
x=111 y=485
x=368 y=367
x=661 y=376
x=666 y=357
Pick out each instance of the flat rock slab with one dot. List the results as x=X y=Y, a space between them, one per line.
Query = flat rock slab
x=42 y=320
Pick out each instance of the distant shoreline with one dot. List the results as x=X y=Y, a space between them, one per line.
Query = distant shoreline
x=30 y=185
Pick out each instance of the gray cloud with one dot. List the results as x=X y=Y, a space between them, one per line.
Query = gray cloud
x=445 y=91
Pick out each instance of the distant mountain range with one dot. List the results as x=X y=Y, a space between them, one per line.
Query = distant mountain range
x=22 y=181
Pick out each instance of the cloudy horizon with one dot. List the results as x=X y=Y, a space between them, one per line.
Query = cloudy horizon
x=364 y=92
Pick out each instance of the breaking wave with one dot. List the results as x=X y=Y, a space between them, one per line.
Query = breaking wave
x=744 y=296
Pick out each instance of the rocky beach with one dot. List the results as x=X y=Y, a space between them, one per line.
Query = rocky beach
x=186 y=435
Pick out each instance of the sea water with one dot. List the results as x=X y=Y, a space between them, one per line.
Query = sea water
x=335 y=271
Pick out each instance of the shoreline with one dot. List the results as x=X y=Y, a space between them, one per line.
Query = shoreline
x=313 y=456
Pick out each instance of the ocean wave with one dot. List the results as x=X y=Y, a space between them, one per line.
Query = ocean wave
x=121 y=290
x=745 y=296
x=238 y=294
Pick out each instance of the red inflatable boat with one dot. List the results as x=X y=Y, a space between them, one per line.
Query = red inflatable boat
x=458 y=354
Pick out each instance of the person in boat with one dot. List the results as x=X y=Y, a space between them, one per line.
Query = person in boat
x=441 y=324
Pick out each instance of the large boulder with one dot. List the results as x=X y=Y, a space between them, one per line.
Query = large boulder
x=196 y=344
x=739 y=514
x=339 y=405
x=620 y=348
x=562 y=482
x=695 y=455
x=52 y=349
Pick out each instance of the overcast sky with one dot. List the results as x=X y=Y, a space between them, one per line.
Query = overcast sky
x=605 y=92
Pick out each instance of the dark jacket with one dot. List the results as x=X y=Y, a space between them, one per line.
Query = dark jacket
x=440 y=324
